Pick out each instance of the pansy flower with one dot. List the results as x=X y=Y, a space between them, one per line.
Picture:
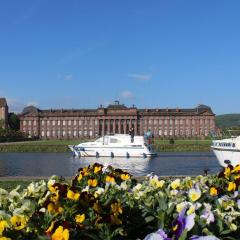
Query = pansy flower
x=60 y=234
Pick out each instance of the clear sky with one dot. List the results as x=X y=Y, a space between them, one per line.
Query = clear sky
x=156 y=53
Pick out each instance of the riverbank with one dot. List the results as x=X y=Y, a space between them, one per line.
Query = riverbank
x=60 y=146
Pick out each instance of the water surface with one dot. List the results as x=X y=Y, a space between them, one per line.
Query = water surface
x=63 y=164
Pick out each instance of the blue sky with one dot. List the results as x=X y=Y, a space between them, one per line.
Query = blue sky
x=158 y=53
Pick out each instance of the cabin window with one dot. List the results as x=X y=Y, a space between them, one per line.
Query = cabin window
x=113 y=140
x=233 y=145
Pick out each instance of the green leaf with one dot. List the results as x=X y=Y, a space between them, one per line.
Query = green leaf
x=183 y=235
x=149 y=219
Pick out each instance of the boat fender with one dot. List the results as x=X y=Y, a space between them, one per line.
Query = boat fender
x=97 y=154
x=227 y=161
x=127 y=155
x=144 y=155
x=112 y=155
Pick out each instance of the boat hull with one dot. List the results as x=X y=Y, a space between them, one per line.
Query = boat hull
x=225 y=156
x=111 y=152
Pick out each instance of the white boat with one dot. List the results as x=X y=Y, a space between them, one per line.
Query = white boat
x=117 y=145
x=227 y=151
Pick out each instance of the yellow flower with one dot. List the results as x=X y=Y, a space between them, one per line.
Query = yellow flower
x=156 y=183
x=18 y=222
x=115 y=220
x=4 y=238
x=213 y=191
x=97 y=169
x=236 y=169
x=85 y=171
x=92 y=182
x=116 y=208
x=55 y=196
x=110 y=179
x=231 y=186
x=96 y=207
x=49 y=230
x=52 y=208
x=79 y=218
x=60 y=234
x=80 y=176
x=125 y=176
x=227 y=172
x=194 y=194
x=191 y=210
x=175 y=184
x=72 y=195
x=3 y=226
x=180 y=206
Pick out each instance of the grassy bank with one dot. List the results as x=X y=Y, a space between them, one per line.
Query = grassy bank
x=11 y=184
x=61 y=146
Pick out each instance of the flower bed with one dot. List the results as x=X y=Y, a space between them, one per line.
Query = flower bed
x=106 y=203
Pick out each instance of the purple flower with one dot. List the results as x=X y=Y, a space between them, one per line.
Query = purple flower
x=183 y=222
x=207 y=214
x=204 y=238
x=158 y=235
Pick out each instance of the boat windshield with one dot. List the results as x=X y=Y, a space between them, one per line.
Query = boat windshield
x=99 y=140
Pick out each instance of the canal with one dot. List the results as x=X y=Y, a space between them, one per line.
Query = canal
x=63 y=164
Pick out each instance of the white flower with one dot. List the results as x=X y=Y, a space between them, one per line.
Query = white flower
x=181 y=206
x=175 y=184
x=99 y=192
x=194 y=194
x=124 y=185
x=173 y=192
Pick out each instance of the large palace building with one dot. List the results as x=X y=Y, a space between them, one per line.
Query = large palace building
x=116 y=118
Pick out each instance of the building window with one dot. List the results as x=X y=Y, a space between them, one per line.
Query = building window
x=48 y=122
x=34 y=122
x=75 y=122
x=64 y=122
x=69 y=122
x=80 y=133
x=64 y=133
x=74 y=133
x=42 y=134
x=53 y=122
x=24 y=123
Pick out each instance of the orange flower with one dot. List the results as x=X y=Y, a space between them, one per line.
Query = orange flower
x=60 y=234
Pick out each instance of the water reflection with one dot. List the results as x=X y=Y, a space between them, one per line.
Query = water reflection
x=62 y=164
x=135 y=166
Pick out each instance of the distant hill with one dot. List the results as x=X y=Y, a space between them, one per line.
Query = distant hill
x=228 y=120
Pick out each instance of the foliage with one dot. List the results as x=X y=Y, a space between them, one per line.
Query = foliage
x=14 y=121
x=106 y=203
x=9 y=135
x=228 y=120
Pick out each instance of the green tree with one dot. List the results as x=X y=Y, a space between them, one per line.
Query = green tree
x=13 y=121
